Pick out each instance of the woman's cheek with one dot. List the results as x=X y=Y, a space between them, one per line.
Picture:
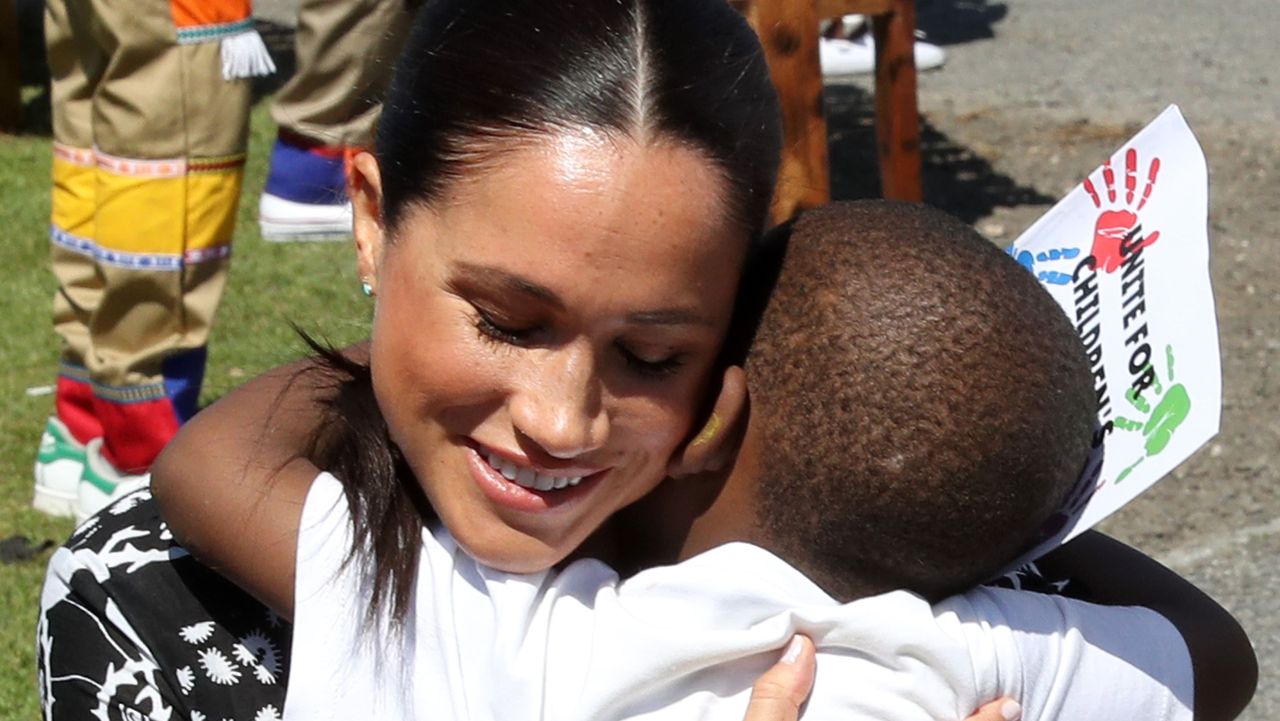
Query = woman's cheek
x=417 y=360
x=659 y=425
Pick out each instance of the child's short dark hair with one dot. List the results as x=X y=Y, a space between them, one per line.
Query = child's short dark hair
x=926 y=405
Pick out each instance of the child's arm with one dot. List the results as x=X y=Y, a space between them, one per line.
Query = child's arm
x=232 y=482
x=1222 y=659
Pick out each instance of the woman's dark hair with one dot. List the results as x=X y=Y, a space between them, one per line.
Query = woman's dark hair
x=477 y=78
x=477 y=74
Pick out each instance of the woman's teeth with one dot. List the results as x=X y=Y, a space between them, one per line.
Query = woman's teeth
x=529 y=478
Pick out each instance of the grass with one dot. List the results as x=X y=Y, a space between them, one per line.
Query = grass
x=313 y=285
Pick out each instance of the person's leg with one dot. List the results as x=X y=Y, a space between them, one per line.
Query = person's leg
x=169 y=138
x=345 y=50
x=75 y=65
x=130 y=626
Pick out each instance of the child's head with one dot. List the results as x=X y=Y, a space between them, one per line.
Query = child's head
x=923 y=403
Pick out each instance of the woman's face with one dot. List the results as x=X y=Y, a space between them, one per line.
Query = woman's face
x=543 y=336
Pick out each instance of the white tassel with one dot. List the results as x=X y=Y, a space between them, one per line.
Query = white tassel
x=244 y=55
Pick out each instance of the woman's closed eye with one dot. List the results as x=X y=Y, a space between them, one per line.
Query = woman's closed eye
x=650 y=364
x=496 y=329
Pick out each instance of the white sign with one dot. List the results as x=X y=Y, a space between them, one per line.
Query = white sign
x=1126 y=255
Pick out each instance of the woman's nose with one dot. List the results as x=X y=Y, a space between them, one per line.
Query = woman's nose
x=560 y=406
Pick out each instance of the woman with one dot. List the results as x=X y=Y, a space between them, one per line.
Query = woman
x=562 y=202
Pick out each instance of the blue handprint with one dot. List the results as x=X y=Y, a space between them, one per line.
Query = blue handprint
x=1029 y=260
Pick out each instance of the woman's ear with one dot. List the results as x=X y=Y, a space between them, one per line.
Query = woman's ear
x=364 y=185
x=716 y=442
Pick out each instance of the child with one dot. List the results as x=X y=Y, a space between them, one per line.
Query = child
x=912 y=386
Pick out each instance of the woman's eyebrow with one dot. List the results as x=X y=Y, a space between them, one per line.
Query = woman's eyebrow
x=495 y=277
x=489 y=276
x=675 y=316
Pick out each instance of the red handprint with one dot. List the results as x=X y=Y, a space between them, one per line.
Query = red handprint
x=1115 y=224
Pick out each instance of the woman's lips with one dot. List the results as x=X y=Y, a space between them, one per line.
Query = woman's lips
x=526 y=477
x=524 y=488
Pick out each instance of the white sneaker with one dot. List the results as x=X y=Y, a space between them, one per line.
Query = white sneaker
x=282 y=220
x=59 y=465
x=927 y=55
x=845 y=57
x=101 y=484
x=858 y=56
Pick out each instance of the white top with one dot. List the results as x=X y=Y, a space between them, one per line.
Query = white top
x=687 y=641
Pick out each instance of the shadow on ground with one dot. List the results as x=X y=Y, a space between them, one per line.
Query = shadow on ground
x=950 y=22
x=956 y=179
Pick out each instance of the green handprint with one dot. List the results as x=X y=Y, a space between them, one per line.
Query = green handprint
x=1171 y=409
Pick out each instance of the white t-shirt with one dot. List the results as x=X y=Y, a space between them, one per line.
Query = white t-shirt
x=687 y=642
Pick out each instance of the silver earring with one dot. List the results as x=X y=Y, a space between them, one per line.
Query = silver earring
x=365 y=287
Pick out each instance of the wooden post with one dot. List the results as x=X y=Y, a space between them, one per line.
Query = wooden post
x=10 y=77
x=897 y=112
x=788 y=32
x=788 y=29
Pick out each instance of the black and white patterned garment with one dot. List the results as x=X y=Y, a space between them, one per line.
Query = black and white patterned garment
x=131 y=628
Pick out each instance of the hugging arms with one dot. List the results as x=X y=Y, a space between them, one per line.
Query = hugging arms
x=1223 y=664
x=1105 y=570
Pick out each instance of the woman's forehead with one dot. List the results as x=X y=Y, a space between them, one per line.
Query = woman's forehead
x=590 y=162
x=604 y=199
x=635 y=227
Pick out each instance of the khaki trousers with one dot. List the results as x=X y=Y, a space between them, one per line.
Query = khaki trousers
x=345 y=51
x=149 y=144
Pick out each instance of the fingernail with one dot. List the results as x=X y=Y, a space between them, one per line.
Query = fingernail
x=1011 y=710
x=794 y=649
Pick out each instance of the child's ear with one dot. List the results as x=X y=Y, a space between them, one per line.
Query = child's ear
x=364 y=186
x=716 y=442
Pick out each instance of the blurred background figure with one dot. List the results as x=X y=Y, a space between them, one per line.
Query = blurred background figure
x=326 y=111
x=150 y=109
x=10 y=78
x=847 y=48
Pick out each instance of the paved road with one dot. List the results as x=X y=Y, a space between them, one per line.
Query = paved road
x=1120 y=62
x=1038 y=92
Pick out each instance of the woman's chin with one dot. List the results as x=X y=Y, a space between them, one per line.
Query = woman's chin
x=517 y=555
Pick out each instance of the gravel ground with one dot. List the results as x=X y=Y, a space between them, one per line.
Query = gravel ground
x=1034 y=95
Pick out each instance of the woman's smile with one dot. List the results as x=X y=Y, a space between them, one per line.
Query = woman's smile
x=543 y=339
x=531 y=478
x=520 y=487
x=523 y=472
